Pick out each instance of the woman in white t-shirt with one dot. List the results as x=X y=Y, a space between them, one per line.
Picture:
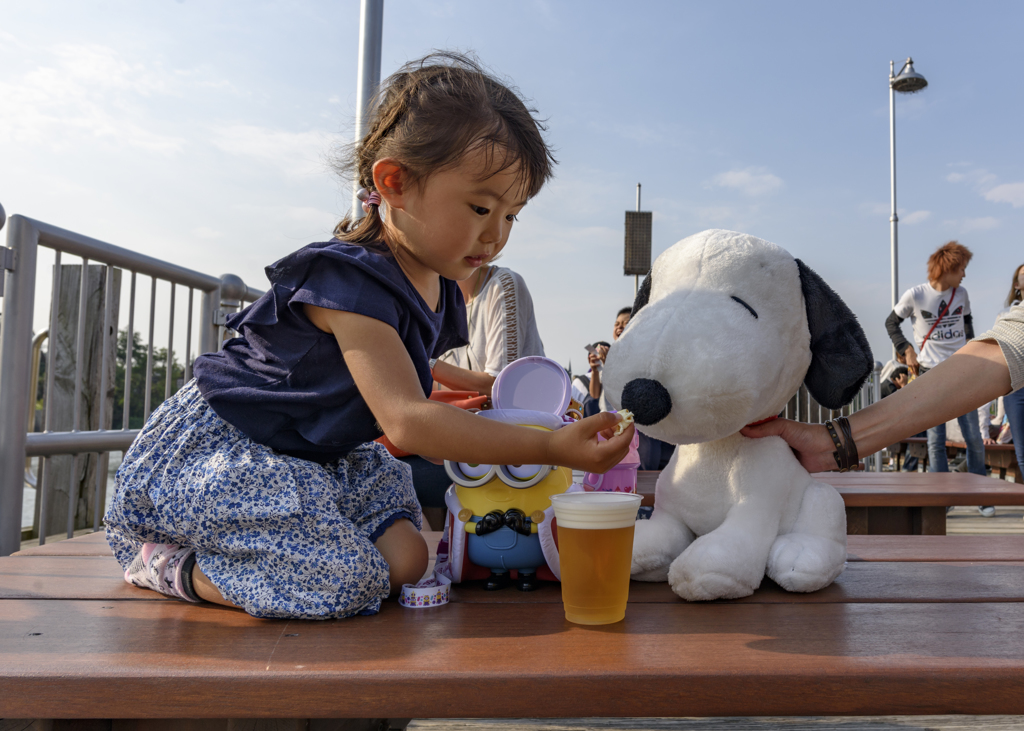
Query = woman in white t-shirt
x=940 y=315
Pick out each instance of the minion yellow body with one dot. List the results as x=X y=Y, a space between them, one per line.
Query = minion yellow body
x=502 y=508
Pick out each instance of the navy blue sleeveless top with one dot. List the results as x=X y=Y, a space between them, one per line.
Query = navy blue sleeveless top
x=284 y=382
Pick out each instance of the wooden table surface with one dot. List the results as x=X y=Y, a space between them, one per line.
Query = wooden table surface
x=909 y=636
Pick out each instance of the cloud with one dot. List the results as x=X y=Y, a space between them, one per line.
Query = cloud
x=973 y=224
x=753 y=181
x=915 y=217
x=85 y=93
x=988 y=187
x=297 y=154
x=1012 y=193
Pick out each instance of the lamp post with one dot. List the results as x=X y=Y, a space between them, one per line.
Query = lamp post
x=907 y=81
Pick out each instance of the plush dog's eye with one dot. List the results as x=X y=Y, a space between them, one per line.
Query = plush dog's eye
x=749 y=308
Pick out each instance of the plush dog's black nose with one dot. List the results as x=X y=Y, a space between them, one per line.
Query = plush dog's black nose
x=647 y=399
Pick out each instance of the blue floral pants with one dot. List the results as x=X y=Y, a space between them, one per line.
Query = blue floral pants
x=277 y=535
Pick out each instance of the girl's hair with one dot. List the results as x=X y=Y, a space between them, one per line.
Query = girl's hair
x=948 y=258
x=1015 y=293
x=428 y=115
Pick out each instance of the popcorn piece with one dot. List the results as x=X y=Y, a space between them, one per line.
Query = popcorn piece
x=625 y=419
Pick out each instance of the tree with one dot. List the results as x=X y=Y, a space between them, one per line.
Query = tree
x=136 y=415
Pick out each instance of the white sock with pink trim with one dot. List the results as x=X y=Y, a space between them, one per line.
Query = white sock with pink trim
x=166 y=568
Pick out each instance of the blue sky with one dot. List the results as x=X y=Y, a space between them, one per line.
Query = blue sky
x=200 y=132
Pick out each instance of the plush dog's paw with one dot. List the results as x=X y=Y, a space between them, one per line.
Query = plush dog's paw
x=712 y=568
x=803 y=562
x=651 y=567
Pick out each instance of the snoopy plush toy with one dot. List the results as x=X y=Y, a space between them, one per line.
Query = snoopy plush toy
x=724 y=329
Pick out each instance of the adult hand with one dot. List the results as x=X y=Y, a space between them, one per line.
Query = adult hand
x=576 y=445
x=810 y=442
x=912 y=363
x=593 y=360
x=988 y=441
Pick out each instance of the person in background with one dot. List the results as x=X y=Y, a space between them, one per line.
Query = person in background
x=892 y=365
x=654 y=453
x=940 y=314
x=596 y=353
x=990 y=426
x=1013 y=403
x=897 y=380
x=596 y=358
x=500 y=317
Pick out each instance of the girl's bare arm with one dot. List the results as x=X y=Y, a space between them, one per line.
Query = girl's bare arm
x=386 y=378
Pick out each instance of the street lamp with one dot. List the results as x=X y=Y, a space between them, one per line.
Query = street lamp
x=907 y=81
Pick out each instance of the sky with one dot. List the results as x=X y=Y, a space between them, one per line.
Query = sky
x=202 y=133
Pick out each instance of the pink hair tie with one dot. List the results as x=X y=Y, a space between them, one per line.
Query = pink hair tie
x=369 y=198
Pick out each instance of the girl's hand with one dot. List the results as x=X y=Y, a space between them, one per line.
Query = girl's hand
x=810 y=442
x=576 y=445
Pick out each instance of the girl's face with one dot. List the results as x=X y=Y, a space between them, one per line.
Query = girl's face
x=456 y=220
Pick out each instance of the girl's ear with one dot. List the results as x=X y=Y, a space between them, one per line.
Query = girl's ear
x=389 y=180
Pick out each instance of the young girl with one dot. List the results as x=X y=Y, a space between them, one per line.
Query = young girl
x=258 y=485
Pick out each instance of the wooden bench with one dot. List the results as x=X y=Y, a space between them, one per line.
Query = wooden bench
x=1001 y=458
x=895 y=634
x=900 y=503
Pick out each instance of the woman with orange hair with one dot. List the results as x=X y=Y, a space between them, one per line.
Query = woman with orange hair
x=940 y=315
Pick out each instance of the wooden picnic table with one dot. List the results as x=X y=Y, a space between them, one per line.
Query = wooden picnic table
x=926 y=633
x=907 y=503
x=1001 y=458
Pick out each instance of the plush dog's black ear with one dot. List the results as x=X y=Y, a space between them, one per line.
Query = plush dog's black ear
x=642 y=295
x=841 y=358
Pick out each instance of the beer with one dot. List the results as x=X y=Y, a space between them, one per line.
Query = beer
x=595 y=549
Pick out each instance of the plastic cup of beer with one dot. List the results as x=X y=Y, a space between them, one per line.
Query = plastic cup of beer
x=595 y=551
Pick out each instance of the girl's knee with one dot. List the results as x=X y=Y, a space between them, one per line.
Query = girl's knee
x=404 y=549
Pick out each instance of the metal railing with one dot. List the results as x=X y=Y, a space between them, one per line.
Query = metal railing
x=18 y=265
x=803 y=407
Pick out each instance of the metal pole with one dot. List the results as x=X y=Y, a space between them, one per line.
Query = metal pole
x=371 y=25
x=893 y=218
x=877 y=396
x=16 y=355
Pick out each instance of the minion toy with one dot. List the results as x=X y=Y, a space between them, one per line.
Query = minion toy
x=501 y=525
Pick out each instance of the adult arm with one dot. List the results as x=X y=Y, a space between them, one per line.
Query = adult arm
x=461 y=379
x=974 y=375
x=596 y=362
x=892 y=326
x=387 y=381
